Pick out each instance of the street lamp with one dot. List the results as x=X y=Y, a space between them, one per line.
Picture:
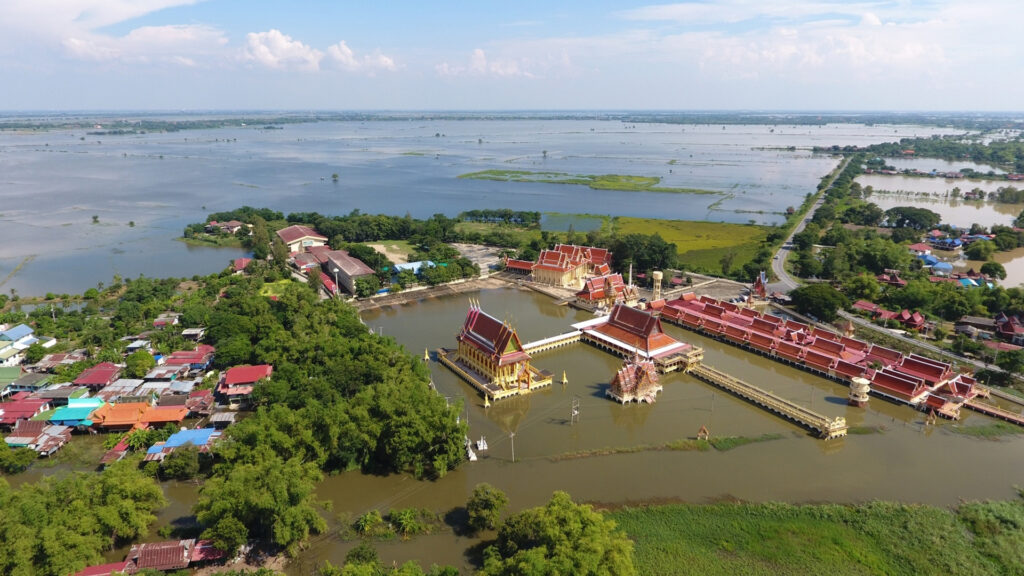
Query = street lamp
x=336 y=291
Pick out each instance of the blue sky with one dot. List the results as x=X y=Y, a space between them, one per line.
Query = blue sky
x=333 y=55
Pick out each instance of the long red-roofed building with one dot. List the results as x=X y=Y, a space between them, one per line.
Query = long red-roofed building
x=628 y=332
x=99 y=376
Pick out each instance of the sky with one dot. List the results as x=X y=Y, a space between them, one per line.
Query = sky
x=511 y=55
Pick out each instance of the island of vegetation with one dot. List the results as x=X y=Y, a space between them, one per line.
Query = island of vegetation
x=621 y=182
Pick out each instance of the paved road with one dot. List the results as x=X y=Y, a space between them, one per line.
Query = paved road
x=785 y=282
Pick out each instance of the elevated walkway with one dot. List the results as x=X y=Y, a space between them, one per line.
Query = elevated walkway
x=995 y=412
x=551 y=343
x=827 y=428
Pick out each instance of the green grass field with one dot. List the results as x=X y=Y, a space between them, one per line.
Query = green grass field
x=624 y=182
x=780 y=539
x=701 y=245
x=523 y=235
x=275 y=288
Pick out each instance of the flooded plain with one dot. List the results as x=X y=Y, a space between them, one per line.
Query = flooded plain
x=145 y=188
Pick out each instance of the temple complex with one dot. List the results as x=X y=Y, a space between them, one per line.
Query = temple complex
x=491 y=357
x=565 y=265
x=637 y=380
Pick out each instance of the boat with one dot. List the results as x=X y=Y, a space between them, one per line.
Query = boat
x=470 y=454
x=481 y=444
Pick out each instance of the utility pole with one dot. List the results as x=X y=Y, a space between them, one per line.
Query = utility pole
x=512 y=436
x=574 y=415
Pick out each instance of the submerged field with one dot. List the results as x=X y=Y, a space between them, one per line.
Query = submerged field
x=876 y=538
x=622 y=182
x=701 y=245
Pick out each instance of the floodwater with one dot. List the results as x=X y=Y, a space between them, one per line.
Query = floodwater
x=53 y=183
x=960 y=213
x=1012 y=261
x=929 y=164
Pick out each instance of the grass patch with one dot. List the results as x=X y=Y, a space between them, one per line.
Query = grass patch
x=414 y=153
x=865 y=430
x=879 y=538
x=624 y=182
x=511 y=235
x=275 y=288
x=701 y=245
x=729 y=442
x=560 y=222
x=682 y=445
x=215 y=241
x=989 y=431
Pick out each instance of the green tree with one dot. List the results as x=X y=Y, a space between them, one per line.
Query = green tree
x=994 y=269
x=863 y=287
x=15 y=460
x=367 y=286
x=228 y=534
x=259 y=240
x=980 y=250
x=561 y=537
x=485 y=506
x=272 y=497
x=34 y=353
x=819 y=300
x=139 y=363
x=182 y=464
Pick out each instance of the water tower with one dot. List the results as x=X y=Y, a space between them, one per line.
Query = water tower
x=859 y=389
x=657 y=276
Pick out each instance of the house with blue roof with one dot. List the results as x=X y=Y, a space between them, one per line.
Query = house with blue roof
x=78 y=412
x=16 y=333
x=201 y=438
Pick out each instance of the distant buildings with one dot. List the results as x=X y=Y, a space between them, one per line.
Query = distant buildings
x=566 y=265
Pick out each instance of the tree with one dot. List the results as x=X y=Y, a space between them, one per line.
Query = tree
x=863 y=287
x=182 y=464
x=819 y=300
x=228 y=534
x=994 y=269
x=314 y=281
x=980 y=250
x=15 y=460
x=912 y=217
x=367 y=286
x=139 y=363
x=561 y=537
x=485 y=507
x=34 y=353
x=259 y=240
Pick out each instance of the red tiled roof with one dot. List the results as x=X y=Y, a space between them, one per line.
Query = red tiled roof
x=496 y=339
x=247 y=374
x=513 y=264
x=241 y=263
x=297 y=232
x=162 y=555
x=21 y=409
x=637 y=328
x=125 y=566
x=99 y=375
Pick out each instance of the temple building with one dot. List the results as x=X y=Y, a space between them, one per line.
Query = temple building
x=491 y=357
x=567 y=265
x=630 y=332
x=637 y=380
x=605 y=292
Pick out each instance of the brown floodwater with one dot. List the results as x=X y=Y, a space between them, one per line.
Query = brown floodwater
x=907 y=461
x=1012 y=260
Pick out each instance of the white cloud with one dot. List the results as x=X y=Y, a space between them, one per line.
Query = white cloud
x=345 y=58
x=279 y=51
x=172 y=44
x=480 y=65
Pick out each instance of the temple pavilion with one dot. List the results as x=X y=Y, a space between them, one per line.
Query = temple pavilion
x=637 y=380
x=630 y=332
x=491 y=357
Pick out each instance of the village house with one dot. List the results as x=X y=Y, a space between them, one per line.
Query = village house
x=27 y=382
x=201 y=438
x=60 y=394
x=100 y=375
x=238 y=382
x=43 y=437
x=120 y=388
x=21 y=407
x=198 y=359
x=239 y=264
x=229 y=227
x=172 y=555
x=1010 y=328
x=79 y=412
x=166 y=319
x=910 y=320
x=51 y=362
x=298 y=238
x=194 y=334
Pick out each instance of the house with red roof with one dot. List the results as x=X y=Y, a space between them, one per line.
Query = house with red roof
x=21 y=407
x=298 y=238
x=1010 y=328
x=238 y=382
x=99 y=376
x=920 y=249
x=239 y=264
x=229 y=227
x=123 y=567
